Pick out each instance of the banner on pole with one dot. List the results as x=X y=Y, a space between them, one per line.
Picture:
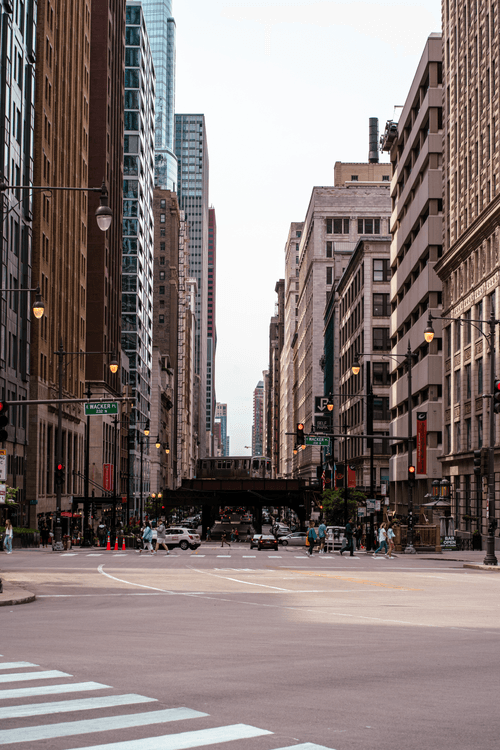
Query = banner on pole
x=422 y=442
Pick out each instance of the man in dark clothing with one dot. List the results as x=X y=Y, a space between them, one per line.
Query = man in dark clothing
x=349 y=530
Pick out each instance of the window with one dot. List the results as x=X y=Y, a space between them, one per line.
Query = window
x=480 y=377
x=458 y=384
x=329 y=249
x=381 y=407
x=380 y=370
x=162 y=260
x=480 y=431
x=162 y=218
x=381 y=269
x=163 y=203
x=368 y=226
x=385 y=178
x=448 y=390
x=161 y=319
x=381 y=342
x=467 y=328
x=381 y=305
x=162 y=290
x=354 y=178
x=329 y=274
x=162 y=275
x=467 y=381
x=468 y=435
x=337 y=226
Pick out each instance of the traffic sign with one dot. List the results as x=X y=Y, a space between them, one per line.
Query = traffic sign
x=100 y=408
x=3 y=492
x=3 y=466
x=317 y=440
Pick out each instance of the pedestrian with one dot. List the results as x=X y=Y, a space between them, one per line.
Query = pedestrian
x=44 y=533
x=357 y=535
x=349 y=532
x=223 y=539
x=147 y=536
x=322 y=537
x=7 y=540
x=209 y=534
x=102 y=533
x=329 y=540
x=390 y=538
x=311 y=538
x=236 y=535
x=233 y=535
x=160 y=537
x=382 y=540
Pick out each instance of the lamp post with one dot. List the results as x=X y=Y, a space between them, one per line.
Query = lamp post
x=490 y=558
x=409 y=549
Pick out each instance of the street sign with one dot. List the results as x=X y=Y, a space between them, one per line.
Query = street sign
x=370 y=504
x=100 y=408
x=320 y=404
x=3 y=466
x=323 y=423
x=317 y=440
x=3 y=492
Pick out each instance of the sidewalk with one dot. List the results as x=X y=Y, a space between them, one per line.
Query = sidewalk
x=13 y=594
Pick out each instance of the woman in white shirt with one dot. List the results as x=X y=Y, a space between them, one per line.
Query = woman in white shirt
x=382 y=539
x=9 y=533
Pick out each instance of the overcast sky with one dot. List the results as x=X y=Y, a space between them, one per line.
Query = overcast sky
x=287 y=89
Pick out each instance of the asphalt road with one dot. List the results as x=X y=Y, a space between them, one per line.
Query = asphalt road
x=232 y=648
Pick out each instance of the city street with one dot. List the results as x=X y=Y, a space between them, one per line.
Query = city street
x=232 y=648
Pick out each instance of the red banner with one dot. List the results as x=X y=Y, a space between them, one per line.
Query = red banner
x=107 y=476
x=351 y=477
x=422 y=443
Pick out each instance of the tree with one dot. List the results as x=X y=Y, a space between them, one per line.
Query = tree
x=334 y=504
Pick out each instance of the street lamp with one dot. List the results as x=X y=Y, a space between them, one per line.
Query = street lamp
x=490 y=558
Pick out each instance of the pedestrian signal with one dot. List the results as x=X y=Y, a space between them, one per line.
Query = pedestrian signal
x=4 y=420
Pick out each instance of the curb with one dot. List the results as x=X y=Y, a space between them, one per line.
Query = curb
x=478 y=566
x=15 y=595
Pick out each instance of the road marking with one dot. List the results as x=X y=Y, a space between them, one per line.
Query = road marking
x=184 y=740
x=141 y=585
x=237 y=580
x=89 y=726
x=196 y=555
x=82 y=704
x=94 y=554
x=304 y=746
x=70 y=554
x=252 y=556
x=276 y=557
x=76 y=687
x=17 y=665
x=223 y=555
x=23 y=676
x=120 y=554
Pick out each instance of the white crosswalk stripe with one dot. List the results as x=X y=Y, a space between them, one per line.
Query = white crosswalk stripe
x=23 y=676
x=89 y=726
x=28 y=736
x=81 y=704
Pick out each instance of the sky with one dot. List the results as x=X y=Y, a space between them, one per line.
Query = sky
x=287 y=89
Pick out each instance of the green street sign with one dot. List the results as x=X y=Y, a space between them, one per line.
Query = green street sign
x=92 y=410
x=317 y=440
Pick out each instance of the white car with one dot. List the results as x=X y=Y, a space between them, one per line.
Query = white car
x=181 y=537
x=297 y=539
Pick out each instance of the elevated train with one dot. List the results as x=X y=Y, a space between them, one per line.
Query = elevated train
x=234 y=467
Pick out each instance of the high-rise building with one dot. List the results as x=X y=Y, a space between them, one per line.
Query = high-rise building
x=258 y=420
x=273 y=381
x=104 y=249
x=358 y=205
x=161 y=32
x=287 y=379
x=415 y=144
x=138 y=234
x=470 y=266
x=221 y=418
x=211 y=320
x=193 y=172
x=17 y=102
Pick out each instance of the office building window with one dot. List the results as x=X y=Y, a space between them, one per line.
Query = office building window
x=467 y=327
x=368 y=226
x=458 y=384
x=468 y=435
x=381 y=305
x=467 y=381
x=380 y=370
x=329 y=249
x=161 y=318
x=337 y=226
x=458 y=437
x=479 y=364
x=381 y=269
x=381 y=341
x=480 y=431
x=162 y=218
x=448 y=438
x=448 y=390
x=329 y=274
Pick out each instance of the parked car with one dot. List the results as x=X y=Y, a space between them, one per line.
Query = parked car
x=297 y=539
x=280 y=529
x=182 y=537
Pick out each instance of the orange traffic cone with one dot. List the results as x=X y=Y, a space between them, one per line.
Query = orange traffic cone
x=108 y=546
x=116 y=543
x=123 y=545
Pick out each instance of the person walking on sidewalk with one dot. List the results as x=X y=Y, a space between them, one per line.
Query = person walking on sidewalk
x=160 y=537
x=349 y=532
x=390 y=539
x=322 y=537
x=311 y=538
x=382 y=540
x=147 y=536
x=223 y=539
x=9 y=533
x=208 y=534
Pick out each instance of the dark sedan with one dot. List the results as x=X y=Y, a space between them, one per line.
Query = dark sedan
x=266 y=541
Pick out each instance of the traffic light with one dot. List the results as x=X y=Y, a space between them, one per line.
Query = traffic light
x=496 y=397
x=485 y=461
x=300 y=434
x=4 y=420
x=477 y=462
x=59 y=475
x=411 y=474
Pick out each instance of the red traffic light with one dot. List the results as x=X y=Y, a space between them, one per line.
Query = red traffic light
x=60 y=467
x=300 y=426
x=411 y=470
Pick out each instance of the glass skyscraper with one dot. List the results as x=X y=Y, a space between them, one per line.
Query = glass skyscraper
x=161 y=32
x=138 y=226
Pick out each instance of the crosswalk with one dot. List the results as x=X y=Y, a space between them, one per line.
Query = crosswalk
x=151 y=719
